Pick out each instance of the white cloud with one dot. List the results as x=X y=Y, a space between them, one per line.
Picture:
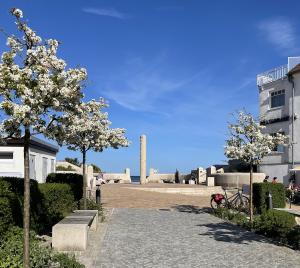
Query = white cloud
x=140 y=85
x=109 y=12
x=280 y=32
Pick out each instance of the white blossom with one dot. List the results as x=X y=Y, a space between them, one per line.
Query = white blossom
x=248 y=142
x=87 y=127
x=17 y=12
x=36 y=90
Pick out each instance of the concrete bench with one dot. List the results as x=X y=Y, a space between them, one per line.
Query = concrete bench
x=71 y=233
x=296 y=213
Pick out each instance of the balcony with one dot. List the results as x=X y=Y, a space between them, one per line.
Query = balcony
x=272 y=75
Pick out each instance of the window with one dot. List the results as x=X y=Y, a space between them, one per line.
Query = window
x=278 y=98
x=6 y=155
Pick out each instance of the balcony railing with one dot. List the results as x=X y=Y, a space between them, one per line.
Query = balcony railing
x=272 y=75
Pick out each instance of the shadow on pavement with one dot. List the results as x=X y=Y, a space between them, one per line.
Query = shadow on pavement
x=192 y=209
x=227 y=232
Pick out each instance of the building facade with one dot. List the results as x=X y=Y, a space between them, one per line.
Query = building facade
x=42 y=159
x=279 y=102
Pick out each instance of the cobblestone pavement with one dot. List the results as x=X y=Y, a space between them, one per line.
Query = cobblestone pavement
x=184 y=237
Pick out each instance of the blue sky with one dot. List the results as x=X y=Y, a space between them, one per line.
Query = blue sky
x=173 y=70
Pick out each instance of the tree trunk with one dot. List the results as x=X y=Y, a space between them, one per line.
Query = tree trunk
x=26 y=208
x=251 y=194
x=84 y=178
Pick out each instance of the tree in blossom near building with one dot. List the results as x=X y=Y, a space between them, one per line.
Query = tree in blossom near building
x=249 y=144
x=88 y=128
x=35 y=89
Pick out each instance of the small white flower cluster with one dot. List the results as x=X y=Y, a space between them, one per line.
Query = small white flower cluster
x=43 y=95
x=87 y=127
x=17 y=12
x=247 y=141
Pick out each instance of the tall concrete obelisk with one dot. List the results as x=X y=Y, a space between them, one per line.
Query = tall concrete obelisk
x=143 y=147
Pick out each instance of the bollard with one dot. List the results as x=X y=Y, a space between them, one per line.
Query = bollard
x=98 y=195
x=270 y=201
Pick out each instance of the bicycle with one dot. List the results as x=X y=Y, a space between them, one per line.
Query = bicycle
x=238 y=201
x=292 y=195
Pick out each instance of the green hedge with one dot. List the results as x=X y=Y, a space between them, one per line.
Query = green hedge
x=275 y=224
x=260 y=193
x=41 y=256
x=14 y=188
x=58 y=201
x=75 y=181
x=9 y=207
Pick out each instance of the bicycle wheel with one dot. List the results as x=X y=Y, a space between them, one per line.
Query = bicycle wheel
x=242 y=204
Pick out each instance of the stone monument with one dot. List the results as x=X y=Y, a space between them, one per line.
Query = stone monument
x=143 y=159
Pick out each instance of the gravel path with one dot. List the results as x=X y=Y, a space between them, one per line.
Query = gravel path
x=184 y=238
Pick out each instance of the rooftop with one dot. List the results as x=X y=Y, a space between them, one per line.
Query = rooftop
x=34 y=142
x=278 y=72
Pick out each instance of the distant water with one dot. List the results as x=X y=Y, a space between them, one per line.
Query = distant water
x=135 y=179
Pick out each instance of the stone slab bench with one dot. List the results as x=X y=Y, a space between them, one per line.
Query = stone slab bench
x=296 y=213
x=71 y=233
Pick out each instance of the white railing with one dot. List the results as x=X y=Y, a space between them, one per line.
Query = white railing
x=272 y=75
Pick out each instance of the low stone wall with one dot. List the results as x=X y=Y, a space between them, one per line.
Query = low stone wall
x=159 y=177
x=122 y=177
x=116 y=177
x=237 y=179
x=167 y=177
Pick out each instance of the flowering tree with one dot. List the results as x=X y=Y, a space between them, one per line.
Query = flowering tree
x=35 y=90
x=88 y=128
x=248 y=143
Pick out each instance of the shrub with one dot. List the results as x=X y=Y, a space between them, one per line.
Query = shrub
x=260 y=192
x=16 y=197
x=11 y=250
x=11 y=253
x=293 y=237
x=58 y=201
x=66 y=261
x=239 y=219
x=9 y=207
x=62 y=168
x=275 y=224
x=75 y=181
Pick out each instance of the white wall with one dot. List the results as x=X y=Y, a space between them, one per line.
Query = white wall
x=280 y=171
x=15 y=167
x=39 y=155
x=12 y=167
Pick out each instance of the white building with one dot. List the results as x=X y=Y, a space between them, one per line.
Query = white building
x=42 y=158
x=279 y=101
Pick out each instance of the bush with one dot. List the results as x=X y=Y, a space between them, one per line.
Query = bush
x=58 y=201
x=62 y=168
x=239 y=219
x=9 y=207
x=66 y=261
x=16 y=198
x=75 y=181
x=260 y=192
x=11 y=253
x=275 y=224
x=293 y=237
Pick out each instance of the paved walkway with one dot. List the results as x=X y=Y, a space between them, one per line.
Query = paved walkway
x=186 y=237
